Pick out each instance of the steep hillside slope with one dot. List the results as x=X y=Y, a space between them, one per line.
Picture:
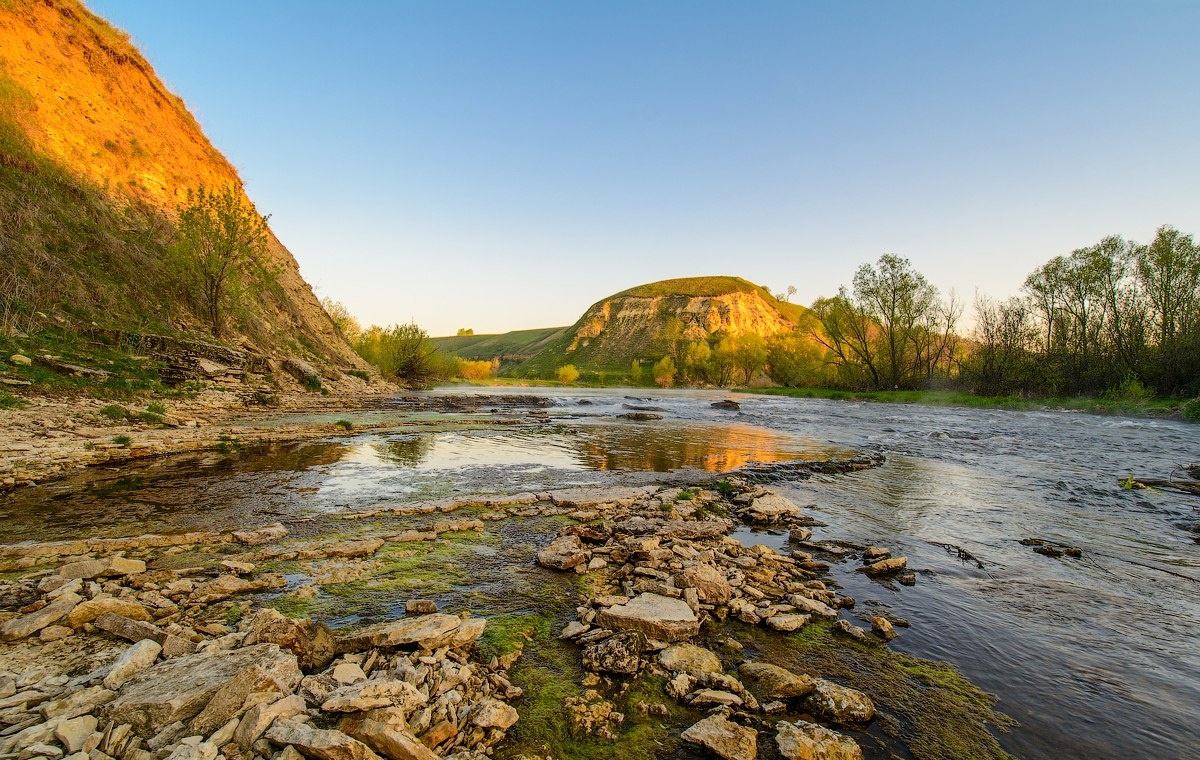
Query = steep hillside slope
x=95 y=157
x=639 y=323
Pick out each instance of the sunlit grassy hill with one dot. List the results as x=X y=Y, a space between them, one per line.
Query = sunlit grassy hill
x=96 y=156
x=641 y=323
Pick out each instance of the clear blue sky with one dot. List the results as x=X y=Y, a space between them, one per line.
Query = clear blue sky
x=503 y=165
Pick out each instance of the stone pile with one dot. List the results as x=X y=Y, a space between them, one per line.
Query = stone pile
x=184 y=687
x=664 y=573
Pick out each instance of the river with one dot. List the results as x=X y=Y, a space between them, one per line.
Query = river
x=1095 y=657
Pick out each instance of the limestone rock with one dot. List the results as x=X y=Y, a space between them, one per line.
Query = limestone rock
x=86 y=612
x=179 y=688
x=132 y=661
x=708 y=582
x=225 y=586
x=197 y=751
x=724 y=738
x=492 y=713
x=659 y=617
x=55 y=633
x=425 y=631
x=107 y=567
x=227 y=701
x=715 y=698
x=839 y=704
x=317 y=743
x=27 y=625
x=312 y=643
x=369 y=695
x=885 y=567
x=130 y=630
x=259 y=718
x=808 y=741
x=74 y=732
x=573 y=629
x=787 y=623
x=770 y=508
x=851 y=630
x=77 y=703
x=812 y=606
x=770 y=682
x=690 y=659
x=263 y=535
x=392 y=742
x=619 y=653
x=467 y=632
x=564 y=553
x=420 y=607
x=882 y=628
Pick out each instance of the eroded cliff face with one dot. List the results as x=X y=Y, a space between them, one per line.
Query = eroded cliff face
x=631 y=325
x=83 y=96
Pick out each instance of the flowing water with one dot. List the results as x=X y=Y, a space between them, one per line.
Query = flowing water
x=1095 y=657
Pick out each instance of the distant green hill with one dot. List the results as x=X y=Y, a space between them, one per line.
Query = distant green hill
x=512 y=347
x=640 y=323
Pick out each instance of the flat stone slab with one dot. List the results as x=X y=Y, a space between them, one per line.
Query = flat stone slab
x=770 y=508
x=588 y=498
x=179 y=688
x=659 y=617
x=426 y=631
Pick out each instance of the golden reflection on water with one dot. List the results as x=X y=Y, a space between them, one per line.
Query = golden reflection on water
x=714 y=448
x=629 y=447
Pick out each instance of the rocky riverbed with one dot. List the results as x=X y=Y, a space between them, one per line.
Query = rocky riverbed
x=684 y=641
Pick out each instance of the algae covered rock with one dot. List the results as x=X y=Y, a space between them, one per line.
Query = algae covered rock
x=723 y=738
x=839 y=704
x=619 y=653
x=689 y=658
x=769 y=681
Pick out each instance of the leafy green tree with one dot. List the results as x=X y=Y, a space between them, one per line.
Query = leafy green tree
x=635 y=372
x=664 y=372
x=723 y=362
x=795 y=360
x=1168 y=270
x=219 y=251
x=567 y=374
x=695 y=364
x=893 y=330
x=464 y=331
x=405 y=353
x=749 y=355
x=343 y=321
